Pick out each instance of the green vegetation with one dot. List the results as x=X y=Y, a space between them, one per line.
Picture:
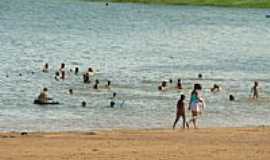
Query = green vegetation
x=223 y=3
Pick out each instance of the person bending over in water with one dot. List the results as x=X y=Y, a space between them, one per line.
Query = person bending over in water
x=46 y=68
x=255 y=90
x=43 y=96
x=180 y=111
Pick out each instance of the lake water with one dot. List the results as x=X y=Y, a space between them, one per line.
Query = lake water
x=136 y=47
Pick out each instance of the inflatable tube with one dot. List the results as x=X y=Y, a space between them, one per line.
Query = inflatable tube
x=48 y=103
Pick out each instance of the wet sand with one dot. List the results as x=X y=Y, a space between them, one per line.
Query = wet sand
x=160 y=144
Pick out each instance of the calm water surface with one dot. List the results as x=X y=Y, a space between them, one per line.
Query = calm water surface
x=135 y=46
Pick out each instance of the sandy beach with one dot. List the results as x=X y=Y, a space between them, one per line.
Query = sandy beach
x=213 y=143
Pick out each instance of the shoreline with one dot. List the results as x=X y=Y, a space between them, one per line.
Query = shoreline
x=204 y=143
x=216 y=3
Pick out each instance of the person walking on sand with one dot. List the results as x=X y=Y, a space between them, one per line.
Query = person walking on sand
x=180 y=111
x=196 y=105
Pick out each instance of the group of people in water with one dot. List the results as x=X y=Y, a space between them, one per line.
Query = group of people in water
x=196 y=103
x=60 y=74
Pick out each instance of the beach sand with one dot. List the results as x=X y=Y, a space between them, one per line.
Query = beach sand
x=159 y=144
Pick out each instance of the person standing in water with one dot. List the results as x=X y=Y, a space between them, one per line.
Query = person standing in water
x=62 y=71
x=46 y=68
x=179 y=84
x=180 y=111
x=255 y=90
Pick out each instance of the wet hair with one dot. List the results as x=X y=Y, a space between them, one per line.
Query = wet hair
x=45 y=89
x=231 y=97
x=83 y=103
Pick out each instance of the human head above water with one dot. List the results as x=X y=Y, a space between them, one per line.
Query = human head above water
x=200 y=76
x=45 y=89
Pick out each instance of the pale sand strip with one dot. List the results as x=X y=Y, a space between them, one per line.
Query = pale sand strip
x=201 y=144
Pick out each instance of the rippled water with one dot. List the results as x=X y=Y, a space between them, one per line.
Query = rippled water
x=135 y=46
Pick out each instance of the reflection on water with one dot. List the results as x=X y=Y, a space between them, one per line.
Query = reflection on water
x=136 y=47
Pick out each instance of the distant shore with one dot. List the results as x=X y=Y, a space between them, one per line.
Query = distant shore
x=220 y=3
x=196 y=144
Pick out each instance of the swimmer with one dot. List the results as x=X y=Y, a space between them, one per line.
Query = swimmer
x=70 y=91
x=231 y=97
x=107 y=4
x=62 y=71
x=86 y=78
x=215 y=88
x=108 y=85
x=96 y=84
x=43 y=96
x=163 y=86
x=83 y=104
x=179 y=84
x=20 y=74
x=255 y=91
x=57 y=76
x=91 y=71
x=112 y=104
x=200 y=76
x=170 y=81
x=45 y=68
x=76 y=70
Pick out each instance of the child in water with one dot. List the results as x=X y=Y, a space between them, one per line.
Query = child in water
x=180 y=111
